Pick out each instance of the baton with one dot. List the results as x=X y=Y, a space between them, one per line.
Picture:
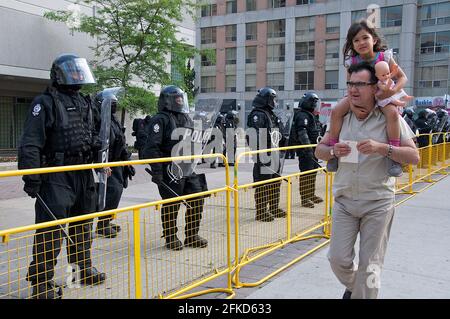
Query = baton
x=168 y=187
x=49 y=212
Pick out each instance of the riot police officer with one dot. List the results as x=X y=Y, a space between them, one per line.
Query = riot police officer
x=118 y=180
x=441 y=126
x=306 y=129
x=172 y=114
x=219 y=125
x=140 y=132
x=424 y=124
x=266 y=125
x=230 y=125
x=58 y=131
x=408 y=115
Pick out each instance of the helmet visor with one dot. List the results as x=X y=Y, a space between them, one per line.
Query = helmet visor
x=76 y=71
x=179 y=102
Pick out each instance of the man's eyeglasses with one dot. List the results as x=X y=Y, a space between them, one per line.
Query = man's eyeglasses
x=358 y=85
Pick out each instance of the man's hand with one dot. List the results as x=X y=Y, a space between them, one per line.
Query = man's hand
x=368 y=147
x=341 y=149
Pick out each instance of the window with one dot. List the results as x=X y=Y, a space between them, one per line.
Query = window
x=332 y=49
x=231 y=7
x=275 y=53
x=208 y=84
x=250 y=82
x=304 y=50
x=230 y=56
x=304 y=80
x=433 y=77
x=433 y=14
x=434 y=42
x=250 y=5
x=276 y=29
x=331 y=80
x=251 y=31
x=230 y=83
x=250 y=54
x=209 y=10
x=207 y=60
x=304 y=2
x=442 y=41
x=304 y=25
x=277 y=3
x=333 y=22
x=275 y=81
x=391 y=16
x=230 y=33
x=393 y=42
x=358 y=15
x=208 y=35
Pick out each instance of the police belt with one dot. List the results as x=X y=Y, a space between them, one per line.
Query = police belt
x=75 y=158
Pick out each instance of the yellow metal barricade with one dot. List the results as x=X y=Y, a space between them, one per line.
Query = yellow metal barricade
x=431 y=168
x=136 y=263
x=257 y=235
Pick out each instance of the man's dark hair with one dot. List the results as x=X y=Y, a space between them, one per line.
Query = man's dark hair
x=363 y=66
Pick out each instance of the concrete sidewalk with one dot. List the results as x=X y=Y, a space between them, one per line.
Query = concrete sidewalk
x=417 y=263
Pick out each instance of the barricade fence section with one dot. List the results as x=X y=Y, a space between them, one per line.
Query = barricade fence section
x=136 y=262
x=169 y=272
x=434 y=160
x=272 y=213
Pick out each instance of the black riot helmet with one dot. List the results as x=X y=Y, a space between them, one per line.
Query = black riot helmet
x=172 y=98
x=309 y=101
x=441 y=113
x=409 y=112
x=71 y=71
x=113 y=93
x=265 y=97
x=423 y=114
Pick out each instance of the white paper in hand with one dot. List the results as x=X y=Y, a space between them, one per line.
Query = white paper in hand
x=353 y=156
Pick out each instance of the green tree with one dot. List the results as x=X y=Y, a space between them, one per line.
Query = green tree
x=134 y=39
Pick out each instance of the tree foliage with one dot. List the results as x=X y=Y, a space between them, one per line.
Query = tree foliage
x=134 y=42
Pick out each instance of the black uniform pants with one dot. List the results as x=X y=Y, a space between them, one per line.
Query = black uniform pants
x=268 y=194
x=169 y=212
x=307 y=183
x=67 y=194
x=114 y=190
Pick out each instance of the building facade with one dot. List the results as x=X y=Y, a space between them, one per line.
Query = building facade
x=295 y=46
x=29 y=44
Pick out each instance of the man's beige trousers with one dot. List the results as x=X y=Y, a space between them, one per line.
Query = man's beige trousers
x=372 y=220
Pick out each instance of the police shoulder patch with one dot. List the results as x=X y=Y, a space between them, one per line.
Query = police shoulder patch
x=306 y=122
x=255 y=118
x=156 y=128
x=36 y=109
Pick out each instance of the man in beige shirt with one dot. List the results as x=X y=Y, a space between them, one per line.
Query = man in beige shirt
x=364 y=193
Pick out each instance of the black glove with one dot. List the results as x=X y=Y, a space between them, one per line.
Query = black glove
x=32 y=186
x=157 y=179
x=129 y=172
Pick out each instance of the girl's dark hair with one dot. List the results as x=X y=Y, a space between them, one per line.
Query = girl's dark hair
x=353 y=31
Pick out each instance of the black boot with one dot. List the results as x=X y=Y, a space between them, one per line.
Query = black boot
x=317 y=199
x=46 y=290
x=308 y=203
x=173 y=243
x=195 y=241
x=106 y=229
x=91 y=276
x=264 y=216
x=278 y=213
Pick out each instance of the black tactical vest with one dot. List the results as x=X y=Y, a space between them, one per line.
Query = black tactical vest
x=72 y=132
